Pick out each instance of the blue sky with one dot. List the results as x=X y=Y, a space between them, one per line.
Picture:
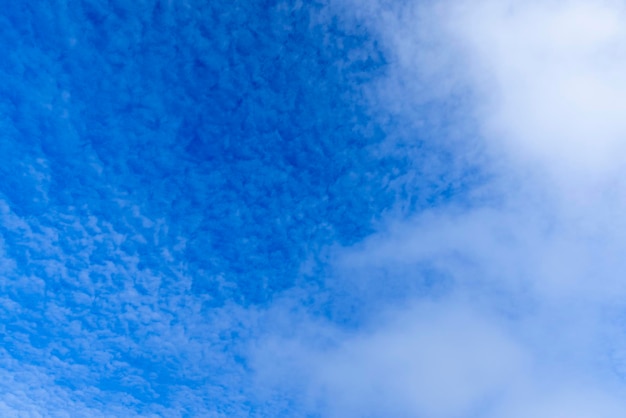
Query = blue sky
x=312 y=209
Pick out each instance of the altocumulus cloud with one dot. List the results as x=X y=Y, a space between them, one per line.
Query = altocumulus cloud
x=507 y=299
x=166 y=169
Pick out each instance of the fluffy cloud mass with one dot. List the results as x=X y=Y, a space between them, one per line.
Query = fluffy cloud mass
x=552 y=75
x=510 y=301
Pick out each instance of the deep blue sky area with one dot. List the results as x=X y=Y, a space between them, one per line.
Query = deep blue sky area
x=238 y=125
x=165 y=164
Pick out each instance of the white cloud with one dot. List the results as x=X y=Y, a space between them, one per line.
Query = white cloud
x=531 y=325
x=437 y=361
x=543 y=80
x=552 y=77
x=446 y=359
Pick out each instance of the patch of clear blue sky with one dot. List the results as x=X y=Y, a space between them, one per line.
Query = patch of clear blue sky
x=146 y=143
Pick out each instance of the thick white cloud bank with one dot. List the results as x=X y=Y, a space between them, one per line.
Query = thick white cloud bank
x=553 y=77
x=547 y=76
x=532 y=321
